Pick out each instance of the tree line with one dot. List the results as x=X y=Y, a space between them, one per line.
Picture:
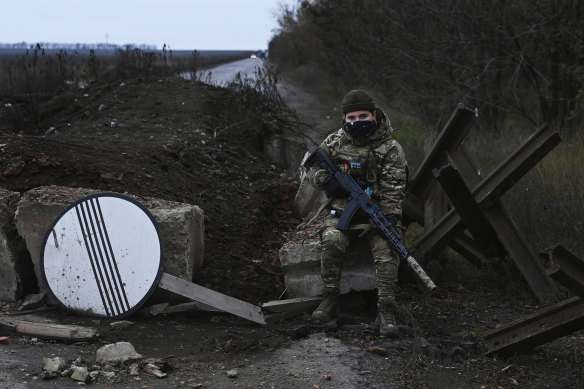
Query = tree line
x=513 y=59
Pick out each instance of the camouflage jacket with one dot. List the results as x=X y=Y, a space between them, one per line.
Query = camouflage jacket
x=377 y=163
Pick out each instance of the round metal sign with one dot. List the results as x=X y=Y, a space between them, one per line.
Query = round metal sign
x=103 y=256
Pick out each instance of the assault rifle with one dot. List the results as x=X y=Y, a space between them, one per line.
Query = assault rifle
x=359 y=199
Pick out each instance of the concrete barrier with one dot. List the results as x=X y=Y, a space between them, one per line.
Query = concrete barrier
x=300 y=261
x=181 y=227
x=307 y=199
x=11 y=287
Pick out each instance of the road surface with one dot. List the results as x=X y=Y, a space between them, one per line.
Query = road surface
x=224 y=74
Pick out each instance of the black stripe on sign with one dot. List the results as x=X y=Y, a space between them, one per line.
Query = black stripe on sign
x=105 y=241
x=92 y=260
x=102 y=270
x=93 y=225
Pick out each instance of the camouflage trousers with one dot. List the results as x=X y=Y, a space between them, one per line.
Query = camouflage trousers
x=335 y=243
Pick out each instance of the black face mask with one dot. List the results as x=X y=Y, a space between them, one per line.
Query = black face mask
x=361 y=129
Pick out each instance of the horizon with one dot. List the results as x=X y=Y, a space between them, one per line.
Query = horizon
x=217 y=25
x=96 y=46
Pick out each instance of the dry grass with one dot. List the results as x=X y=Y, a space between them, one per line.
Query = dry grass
x=547 y=203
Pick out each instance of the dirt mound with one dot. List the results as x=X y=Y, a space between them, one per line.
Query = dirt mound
x=173 y=139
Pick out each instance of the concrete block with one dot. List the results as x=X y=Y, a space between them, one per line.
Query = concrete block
x=285 y=150
x=10 y=279
x=181 y=227
x=116 y=353
x=308 y=199
x=183 y=234
x=300 y=261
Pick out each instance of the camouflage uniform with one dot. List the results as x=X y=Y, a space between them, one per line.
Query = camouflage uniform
x=377 y=163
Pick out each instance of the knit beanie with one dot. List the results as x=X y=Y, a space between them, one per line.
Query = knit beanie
x=357 y=100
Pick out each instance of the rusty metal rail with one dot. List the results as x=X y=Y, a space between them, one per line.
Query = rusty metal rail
x=549 y=323
x=468 y=209
x=543 y=326
x=493 y=186
x=567 y=269
x=486 y=194
x=450 y=138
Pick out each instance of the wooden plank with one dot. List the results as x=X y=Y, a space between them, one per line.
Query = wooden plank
x=190 y=306
x=210 y=297
x=48 y=330
x=294 y=304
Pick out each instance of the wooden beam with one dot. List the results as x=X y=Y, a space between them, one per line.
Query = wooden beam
x=296 y=304
x=210 y=297
x=48 y=330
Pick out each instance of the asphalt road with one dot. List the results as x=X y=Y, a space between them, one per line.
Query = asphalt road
x=225 y=73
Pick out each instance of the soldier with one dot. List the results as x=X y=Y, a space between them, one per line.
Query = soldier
x=365 y=148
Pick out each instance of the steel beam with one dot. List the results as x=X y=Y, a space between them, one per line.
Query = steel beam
x=413 y=209
x=550 y=323
x=523 y=255
x=450 y=138
x=467 y=247
x=468 y=209
x=487 y=194
x=543 y=326
x=567 y=269
x=491 y=188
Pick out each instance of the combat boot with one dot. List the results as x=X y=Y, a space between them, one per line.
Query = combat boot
x=386 y=318
x=328 y=308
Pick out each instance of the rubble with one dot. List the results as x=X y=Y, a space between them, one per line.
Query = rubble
x=116 y=353
x=55 y=365
x=79 y=373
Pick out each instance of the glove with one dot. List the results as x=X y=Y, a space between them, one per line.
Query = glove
x=332 y=188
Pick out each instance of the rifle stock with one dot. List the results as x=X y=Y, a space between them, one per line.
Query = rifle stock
x=359 y=199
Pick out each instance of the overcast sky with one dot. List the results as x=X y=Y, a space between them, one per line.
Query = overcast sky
x=182 y=24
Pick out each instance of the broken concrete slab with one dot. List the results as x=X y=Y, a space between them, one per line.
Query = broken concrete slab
x=56 y=364
x=300 y=261
x=79 y=373
x=8 y=276
x=11 y=276
x=183 y=235
x=308 y=199
x=180 y=225
x=115 y=353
